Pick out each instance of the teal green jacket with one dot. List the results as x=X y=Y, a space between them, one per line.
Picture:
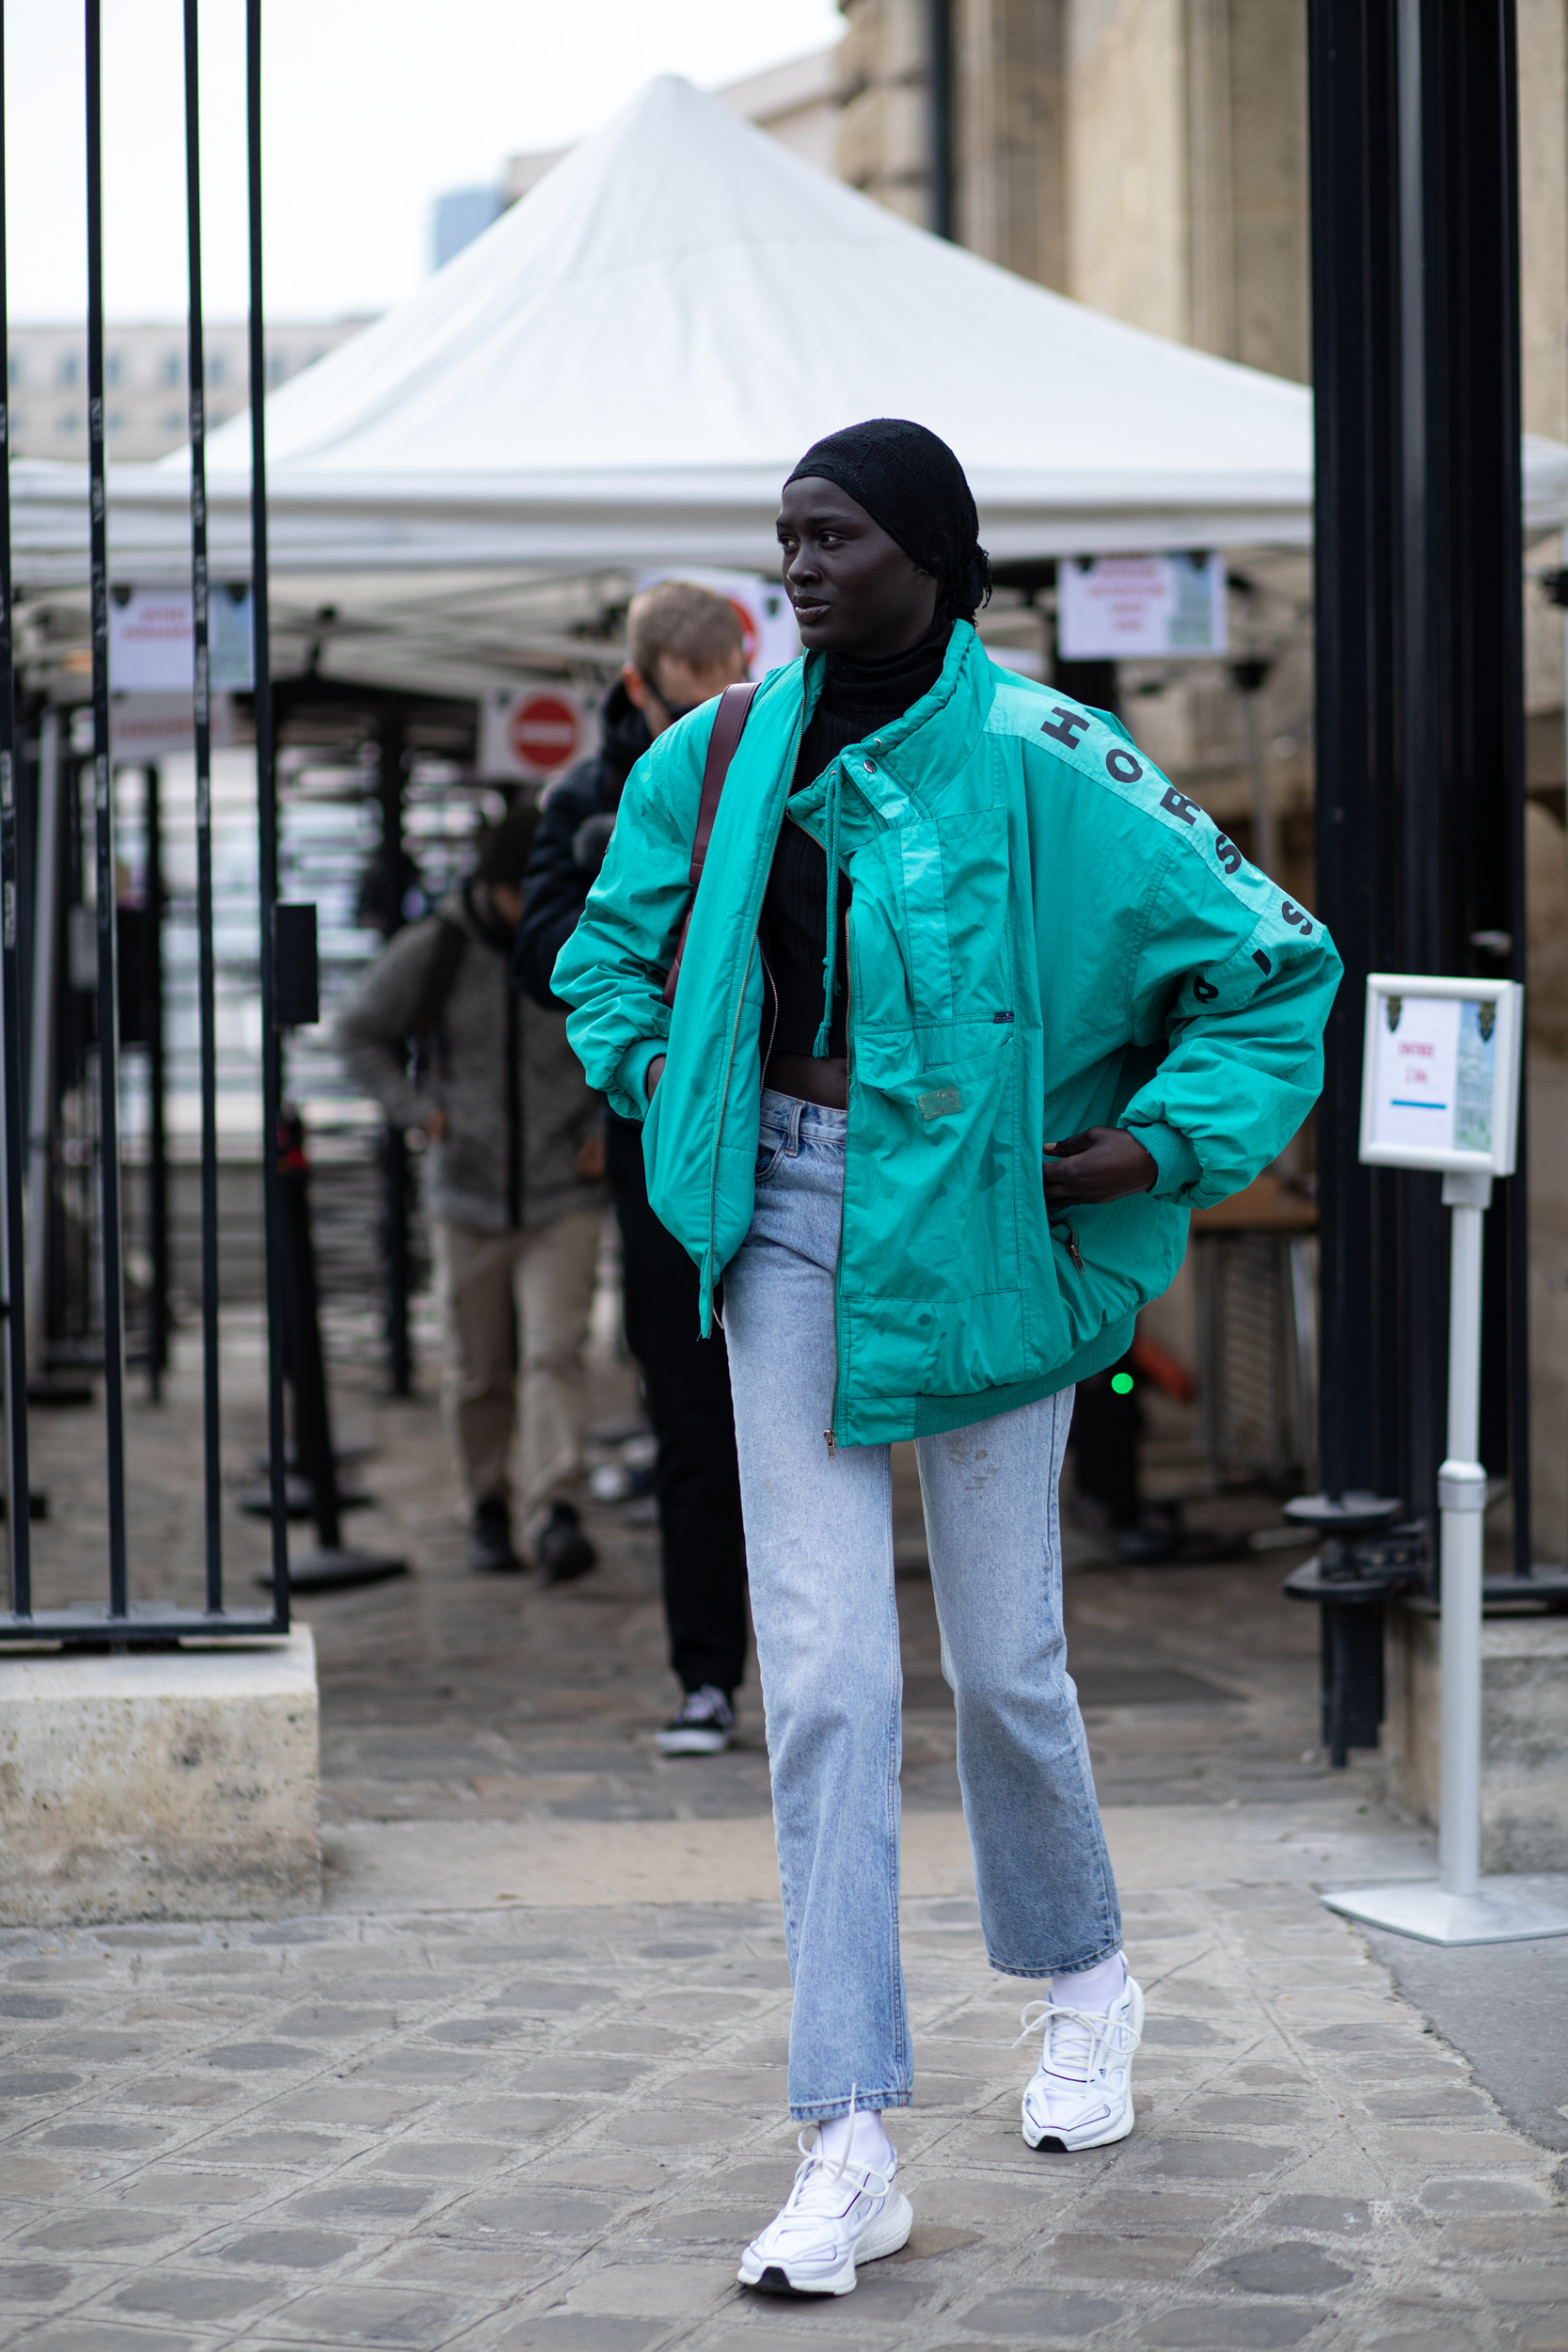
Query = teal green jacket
x=1044 y=936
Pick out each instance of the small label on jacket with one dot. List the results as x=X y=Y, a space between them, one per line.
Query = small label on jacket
x=941 y=1103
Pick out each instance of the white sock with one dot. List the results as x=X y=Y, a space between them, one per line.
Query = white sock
x=856 y=2138
x=1097 y=1988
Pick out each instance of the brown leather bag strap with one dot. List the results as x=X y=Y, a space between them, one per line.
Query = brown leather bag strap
x=729 y=720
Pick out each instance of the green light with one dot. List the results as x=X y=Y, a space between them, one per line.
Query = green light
x=1122 y=1383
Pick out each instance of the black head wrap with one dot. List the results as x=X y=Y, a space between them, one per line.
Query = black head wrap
x=909 y=481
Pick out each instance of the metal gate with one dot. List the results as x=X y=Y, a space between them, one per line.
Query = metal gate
x=117 y=1620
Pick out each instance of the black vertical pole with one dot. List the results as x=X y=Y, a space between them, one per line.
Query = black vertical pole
x=157 y=1140
x=395 y=1185
x=17 y=1481
x=266 y=813
x=206 y=968
x=938 y=39
x=1420 y=729
x=103 y=840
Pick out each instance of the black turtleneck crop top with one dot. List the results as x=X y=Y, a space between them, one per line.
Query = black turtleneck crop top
x=856 y=697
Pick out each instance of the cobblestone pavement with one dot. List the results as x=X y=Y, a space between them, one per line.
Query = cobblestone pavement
x=519 y=2130
x=509 y=2126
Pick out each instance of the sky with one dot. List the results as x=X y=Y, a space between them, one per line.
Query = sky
x=370 y=109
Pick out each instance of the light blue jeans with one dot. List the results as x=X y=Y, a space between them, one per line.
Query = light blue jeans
x=819 y=1557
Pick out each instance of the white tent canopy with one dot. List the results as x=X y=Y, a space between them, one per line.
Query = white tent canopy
x=625 y=367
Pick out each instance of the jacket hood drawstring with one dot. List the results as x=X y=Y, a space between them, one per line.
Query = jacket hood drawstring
x=830 y=962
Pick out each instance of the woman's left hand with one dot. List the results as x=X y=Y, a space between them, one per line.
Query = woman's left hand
x=1103 y=1164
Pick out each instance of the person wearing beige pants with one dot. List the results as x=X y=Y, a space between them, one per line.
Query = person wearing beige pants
x=517 y=1306
x=514 y=1186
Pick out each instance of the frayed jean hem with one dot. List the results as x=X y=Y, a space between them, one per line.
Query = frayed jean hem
x=1062 y=1968
x=865 y=2103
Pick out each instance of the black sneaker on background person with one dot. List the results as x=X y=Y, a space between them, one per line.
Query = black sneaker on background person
x=563 y=1550
x=704 y=1727
x=490 y=1552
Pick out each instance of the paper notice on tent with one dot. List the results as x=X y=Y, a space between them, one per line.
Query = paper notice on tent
x=153 y=639
x=147 y=727
x=767 y=618
x=533 y=734
x=1114 y=608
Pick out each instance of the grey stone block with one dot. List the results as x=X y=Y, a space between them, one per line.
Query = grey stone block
x=36 y=2083
x=1337 y=2216
x=1525 y=2282
x=189 y=2186
x=103 y=2335
x=105 y=2135
x=29 y=2005
x=419 y=2066
x=381 y=2200
x=1524 y=1793
x=179 y=2295
x=1086 y=2255
x=723 y=2225
x=545 y=1996
x=100 y=2227
x=31 y=2282
x=1216 y=2159
x=1253 y=2113
x=443 y=2159
x=257 y=2057
x=357 y=2314
x=1292 y=2269
x=95 y=2049
x=179 y=2091
x=1482 y=2196
x=573 y=2331
x=370 y=2108
x=327 y=2022
x=1039 y=2312
x=286 y=2250
x=141 y=1784
x=580 y=2073
x=541 y=2211
x=1228 y=2327
x=514 y=2119
x=277 y=2148
x=1179 y=2033
x=475 y=2033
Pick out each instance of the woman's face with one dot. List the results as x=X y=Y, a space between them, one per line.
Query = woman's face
x=854 y=589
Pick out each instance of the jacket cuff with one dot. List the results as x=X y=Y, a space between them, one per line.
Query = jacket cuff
x=1173 y=1155
x=629 y=1086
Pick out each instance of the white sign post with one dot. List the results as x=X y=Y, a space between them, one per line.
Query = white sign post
x=1440 y=1091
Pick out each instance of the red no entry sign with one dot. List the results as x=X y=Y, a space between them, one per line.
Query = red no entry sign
x=544 y=732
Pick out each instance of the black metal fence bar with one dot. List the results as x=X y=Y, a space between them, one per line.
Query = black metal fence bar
x=206 y=969
x=104 y=851
x=266 y=811
x=17 y=1484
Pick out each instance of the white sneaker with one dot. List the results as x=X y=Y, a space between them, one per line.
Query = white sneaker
x=705 y=1725
x=836 y=2215
x=1081 y=2093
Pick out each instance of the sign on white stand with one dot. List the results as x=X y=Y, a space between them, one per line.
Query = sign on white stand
x=1440 y=1091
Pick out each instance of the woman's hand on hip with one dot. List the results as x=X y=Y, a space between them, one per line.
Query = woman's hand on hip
x=1103 y=1164
x=655 y=1071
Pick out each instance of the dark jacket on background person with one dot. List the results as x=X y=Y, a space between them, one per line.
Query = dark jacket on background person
x=509 y=1153
x=569 y=846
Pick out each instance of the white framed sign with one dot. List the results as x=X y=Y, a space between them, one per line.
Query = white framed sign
x=1441 y=1075
x=1114 y=608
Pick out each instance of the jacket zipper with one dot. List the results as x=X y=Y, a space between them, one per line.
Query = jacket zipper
x=848 y=1089
x=735 y=1032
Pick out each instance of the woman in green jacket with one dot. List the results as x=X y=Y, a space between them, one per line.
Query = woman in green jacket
x=973 y=1008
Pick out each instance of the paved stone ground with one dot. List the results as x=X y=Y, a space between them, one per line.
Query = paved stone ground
x=523 y=2130
x=510 y=2127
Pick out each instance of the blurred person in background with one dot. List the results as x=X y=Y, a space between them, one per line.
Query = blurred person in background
x=437 y=1036
x=685 y=645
